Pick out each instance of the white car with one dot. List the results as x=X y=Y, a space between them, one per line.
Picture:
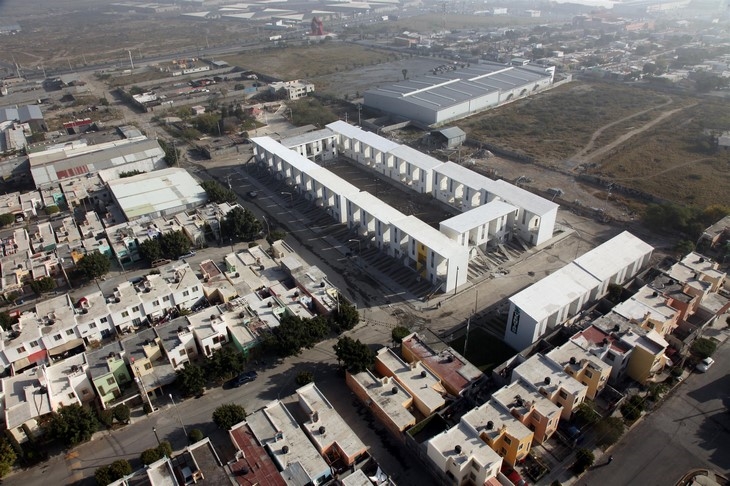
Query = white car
x=704 y=365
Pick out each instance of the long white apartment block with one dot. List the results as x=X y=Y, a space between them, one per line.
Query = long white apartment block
x=493 y=211
x=560 y=296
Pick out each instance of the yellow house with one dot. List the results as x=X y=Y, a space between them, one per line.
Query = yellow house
x=533 y=410
x=547 y=378
x=506 y=435
x=647 y=356
x=582 y=366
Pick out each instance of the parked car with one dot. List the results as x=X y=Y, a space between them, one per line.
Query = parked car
x=704 y=365
x=188 y=254
x=243 y=378
x=160 y=262
x=253 y=194
x=513 y=475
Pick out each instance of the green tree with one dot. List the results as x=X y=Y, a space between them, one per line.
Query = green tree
x=703 y=347
x=43 y=285
x=241 y=224
x=196 y=435
x=585 y=415
x=172 y=153
x=53 y=209
x=304 y=377
x=346 y=316
x=398 y=333
x=631 y=409
x=225 y=363
x=174 y=244
x=191 y=379
x=354 y=355
x=94 y=265
x=7 y=457
x=122 y=413
x=584 y=459
x=6 y=322
x=217 y=193
x=228 y=415
x=150 y=249
x=683 y=247
x=105 y=417
x=208 y=123
x=135 y=90
x=149 y=456
x=6 y=219
x=114 y=471
x=608 y=431
x=72 y=424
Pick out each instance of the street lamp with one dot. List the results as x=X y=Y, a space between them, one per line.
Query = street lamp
x=268 y=231
x=178 y=415
x=358 y=245
x=154 y=431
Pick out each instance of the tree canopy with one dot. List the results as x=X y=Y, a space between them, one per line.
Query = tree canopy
x=228 y=415
x=398 y=333
x=6 y=219
x=94 y=265
x=354 y=355
x=217 y=193
x=7 y=457
x=241 y=224
x=114 y=471
x=72 y=424
x=346 y=316
x=191 y=379
x=225 y=363
x=294 y=333
x=43 y=285
x=150 y=250
x=174 y=244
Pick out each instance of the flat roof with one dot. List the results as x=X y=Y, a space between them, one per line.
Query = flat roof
x=276 y=429
x=415 y=157
x=470 y=447
x=508 y=395
x=24 y=398
x=295 y=159
x=619 y=252
x=333 y=182
x=419 y=381
x=524 y=199
x=380 y=391
x=450 y=88
x=466 y=176
x=552 y=293
x=499 y=416
x=538 y=369
x=308 y=137
x=371 y=139
x=376 y=207
x=449 y=365
x=255 y=466
x=429 y=236
x=645 y=304
x=564 y=353
x=467 y=221
x=323 y=414
x=159 y=191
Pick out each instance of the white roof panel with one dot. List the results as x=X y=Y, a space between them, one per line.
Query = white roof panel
x=419 y=159
x=617 y=253
x=375 y=207
x=469 y=220
x=466 y=176
x=429 y=236
x=368 y=138
x=332 y=181
x=524 y=199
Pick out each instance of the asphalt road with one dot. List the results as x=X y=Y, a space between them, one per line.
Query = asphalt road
x=690 y=430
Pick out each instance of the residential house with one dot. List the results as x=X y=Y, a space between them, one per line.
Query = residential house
x=533 y=410
x=146 y=357
x=108 y=372
x=547 y=378
x=457 y=374
x=330 y=434
x=68 y=383
x=386 y=398
x=296 y=458
x=506 y=435
x=178 y=342
x=582 y=366
x=210 y=330
x=251 y=464
x=424 y=386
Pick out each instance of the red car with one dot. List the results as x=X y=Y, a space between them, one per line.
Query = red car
x=513 y=475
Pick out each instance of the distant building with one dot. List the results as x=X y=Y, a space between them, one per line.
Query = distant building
x=294 y=89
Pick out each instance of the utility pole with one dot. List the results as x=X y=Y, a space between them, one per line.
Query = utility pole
x=130 y=59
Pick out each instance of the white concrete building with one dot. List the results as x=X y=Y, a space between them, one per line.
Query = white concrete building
x=462 y=456
x=297 y=459
x=443 y=96
x=210 y=330
x=294 y=89
x=560 y=296
x=159 y=193
x=319 y=145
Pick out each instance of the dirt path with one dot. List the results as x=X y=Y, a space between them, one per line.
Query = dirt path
x=664 y=171
x=581 y=156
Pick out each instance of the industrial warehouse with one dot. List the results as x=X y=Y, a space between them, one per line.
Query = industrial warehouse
x=451 y=94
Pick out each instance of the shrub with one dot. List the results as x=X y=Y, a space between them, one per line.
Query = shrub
x=584 y=459
x=632 y=408
x=149 y=456
x=676 y=371
x=196 y=435
x=116 y=470
x=52 y=210
x=704 y=348
x=228 y=415
x=106 y=417
x=398 y=333
x=122 y=413
x=304 y=377
x=608 y=431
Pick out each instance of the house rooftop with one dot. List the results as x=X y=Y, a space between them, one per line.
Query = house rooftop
x=381 y=392
x=572 y=355
x=498 y=417
x=99 y=360
x=646 y=303
x=543 y=373
x=26 y=397
x=254 y=466
x=462 y=444
x=419 y=381
x=517 y=396
x=325 y=426
x=451 y=367
x=604 y=261
x=59 y=379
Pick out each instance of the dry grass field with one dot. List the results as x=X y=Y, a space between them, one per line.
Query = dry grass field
x=435 y=22
x=557 y=124
x=676 y=160
x=310 y=61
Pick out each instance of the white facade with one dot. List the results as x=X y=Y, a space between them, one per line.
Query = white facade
x=560 y=296
x=294 y=89
x=463 y=456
